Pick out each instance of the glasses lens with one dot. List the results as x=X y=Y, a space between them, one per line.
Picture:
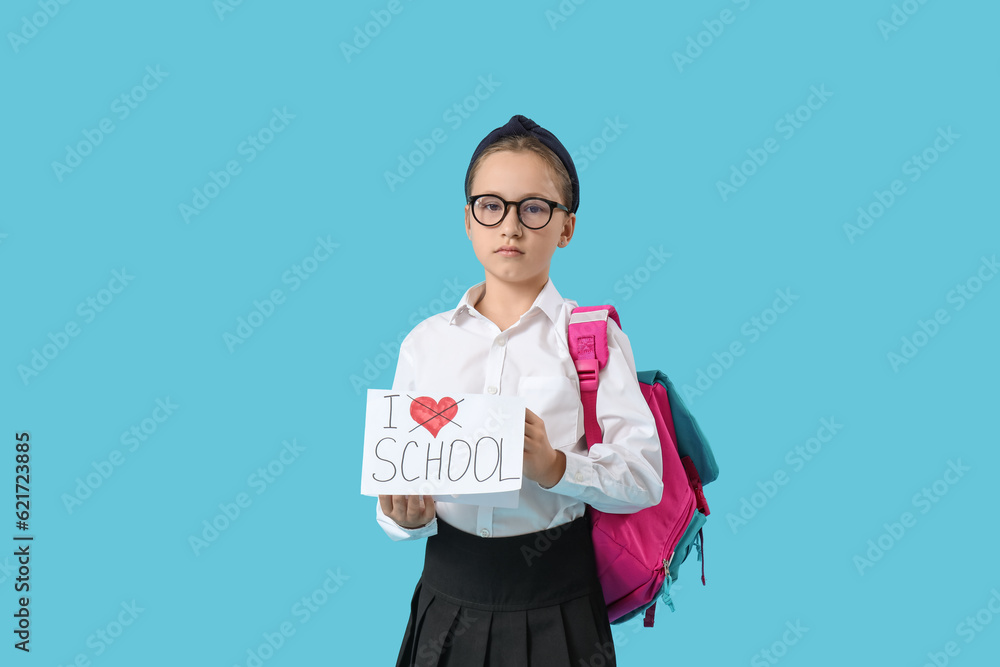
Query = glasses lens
x=535 y=213
x=488 y=210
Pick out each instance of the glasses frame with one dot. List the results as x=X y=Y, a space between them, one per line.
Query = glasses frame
x=553 y=205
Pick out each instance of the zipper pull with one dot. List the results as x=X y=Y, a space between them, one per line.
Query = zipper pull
x=666 y=564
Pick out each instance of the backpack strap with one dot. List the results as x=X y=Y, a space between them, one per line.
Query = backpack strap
x=588 y=346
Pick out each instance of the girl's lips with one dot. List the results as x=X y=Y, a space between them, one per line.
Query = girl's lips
x=509 y=252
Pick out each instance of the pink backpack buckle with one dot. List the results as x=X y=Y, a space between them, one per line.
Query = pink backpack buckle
x=589 y=371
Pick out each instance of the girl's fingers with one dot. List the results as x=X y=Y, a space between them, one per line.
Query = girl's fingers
x=398 y=508
x=408 y=511
x=531 y=426
x=418 y=504
x=414 y=509
x=534 y=428
x=534 y=436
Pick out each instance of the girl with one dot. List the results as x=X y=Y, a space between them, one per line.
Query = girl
x=518 y=586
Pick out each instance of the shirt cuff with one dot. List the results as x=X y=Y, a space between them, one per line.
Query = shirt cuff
x=577 y=477
x=397 y=533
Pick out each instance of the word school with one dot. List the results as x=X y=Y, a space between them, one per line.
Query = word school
x=492 y=453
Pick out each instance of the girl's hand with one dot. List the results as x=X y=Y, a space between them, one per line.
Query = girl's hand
x=542 y=463
x=408 y=511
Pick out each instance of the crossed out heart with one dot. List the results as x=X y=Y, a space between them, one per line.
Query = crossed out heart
x=431 y=414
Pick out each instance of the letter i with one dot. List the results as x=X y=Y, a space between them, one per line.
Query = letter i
x=390 y=397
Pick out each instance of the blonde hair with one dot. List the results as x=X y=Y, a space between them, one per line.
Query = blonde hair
x=525 y=143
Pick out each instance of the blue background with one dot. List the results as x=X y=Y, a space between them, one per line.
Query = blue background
x=573 y=68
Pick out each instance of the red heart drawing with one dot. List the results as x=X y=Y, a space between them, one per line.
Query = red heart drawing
x=431 y=414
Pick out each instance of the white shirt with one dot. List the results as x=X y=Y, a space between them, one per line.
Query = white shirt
x=462 y=351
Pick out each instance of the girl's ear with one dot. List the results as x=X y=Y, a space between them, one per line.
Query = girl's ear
x=567 y=229
x=468 y=221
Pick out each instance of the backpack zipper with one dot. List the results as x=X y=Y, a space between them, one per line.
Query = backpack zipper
x=667 y=584
x=666 y=564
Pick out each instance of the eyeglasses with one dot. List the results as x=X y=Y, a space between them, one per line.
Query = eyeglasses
x=533 y=212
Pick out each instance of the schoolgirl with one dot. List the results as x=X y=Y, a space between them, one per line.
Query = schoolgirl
x=519 y=586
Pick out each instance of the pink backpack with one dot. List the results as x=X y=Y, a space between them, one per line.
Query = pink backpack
x=638 y=555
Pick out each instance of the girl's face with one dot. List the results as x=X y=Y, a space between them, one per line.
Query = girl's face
x=514 y=176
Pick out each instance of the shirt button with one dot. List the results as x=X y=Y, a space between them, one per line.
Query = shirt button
x=579 y=477
x=491 y=389
x=501 y=341
x=484 y=532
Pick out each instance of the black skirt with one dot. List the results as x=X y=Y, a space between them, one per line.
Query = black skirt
x=525 y=601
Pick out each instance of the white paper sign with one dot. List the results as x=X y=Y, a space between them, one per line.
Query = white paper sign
x=431 y=443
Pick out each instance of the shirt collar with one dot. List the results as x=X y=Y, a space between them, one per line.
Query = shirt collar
x=548 y=301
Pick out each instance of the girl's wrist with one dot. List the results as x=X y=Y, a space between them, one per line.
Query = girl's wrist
x=555 y=471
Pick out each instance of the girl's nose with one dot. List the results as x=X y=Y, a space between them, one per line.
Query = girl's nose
x=510 y=224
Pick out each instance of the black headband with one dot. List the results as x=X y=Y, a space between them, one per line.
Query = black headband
x=518 y=125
